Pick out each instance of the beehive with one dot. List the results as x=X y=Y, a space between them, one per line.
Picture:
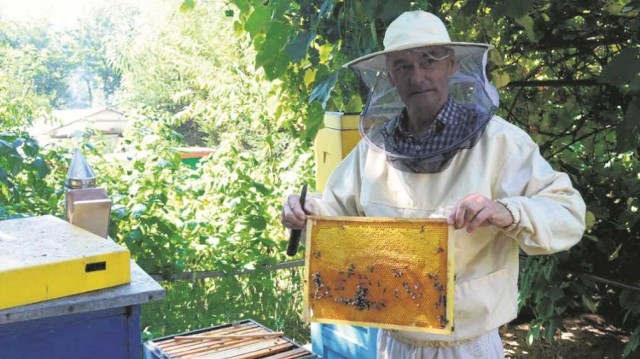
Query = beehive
x=333 y=143
x=44 y=257
x=242 y=340
x=382 y=272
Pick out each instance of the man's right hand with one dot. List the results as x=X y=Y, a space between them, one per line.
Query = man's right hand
x=293 y=217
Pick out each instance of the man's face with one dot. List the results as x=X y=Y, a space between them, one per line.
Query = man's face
x=421 y=76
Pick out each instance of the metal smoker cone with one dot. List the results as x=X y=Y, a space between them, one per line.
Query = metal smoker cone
x=80 y=174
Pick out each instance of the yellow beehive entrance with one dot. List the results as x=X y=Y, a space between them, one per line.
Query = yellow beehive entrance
x=383 y=272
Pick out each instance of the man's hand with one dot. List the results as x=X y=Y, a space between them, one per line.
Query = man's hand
x=476 y=210
x=293 y=217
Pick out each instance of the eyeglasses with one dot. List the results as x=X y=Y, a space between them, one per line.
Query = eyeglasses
x=429 y=57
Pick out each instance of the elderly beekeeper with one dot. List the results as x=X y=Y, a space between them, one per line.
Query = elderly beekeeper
x=432 y=147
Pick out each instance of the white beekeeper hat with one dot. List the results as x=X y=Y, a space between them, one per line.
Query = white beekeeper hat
x=416 y=29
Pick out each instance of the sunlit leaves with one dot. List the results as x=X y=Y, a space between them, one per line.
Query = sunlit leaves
x=26 y=178
x=258 y=21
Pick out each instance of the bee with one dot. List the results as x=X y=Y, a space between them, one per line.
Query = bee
x=443 y=321
x=351 y=270
x=440 y=250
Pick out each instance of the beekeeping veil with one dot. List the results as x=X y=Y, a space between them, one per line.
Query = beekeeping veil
x=468 y=88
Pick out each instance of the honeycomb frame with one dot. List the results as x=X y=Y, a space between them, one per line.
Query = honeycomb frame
x=388 y=273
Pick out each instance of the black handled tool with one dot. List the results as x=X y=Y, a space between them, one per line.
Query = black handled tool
x=294 y=238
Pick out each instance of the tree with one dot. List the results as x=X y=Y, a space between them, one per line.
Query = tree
x=568 y=73
x=93 y=42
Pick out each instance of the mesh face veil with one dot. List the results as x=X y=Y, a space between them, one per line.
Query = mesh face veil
x=471 y=103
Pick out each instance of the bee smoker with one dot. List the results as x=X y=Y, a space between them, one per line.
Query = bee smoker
x=86 y=205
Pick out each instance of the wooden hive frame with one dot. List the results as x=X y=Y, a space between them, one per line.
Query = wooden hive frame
x=384 y=272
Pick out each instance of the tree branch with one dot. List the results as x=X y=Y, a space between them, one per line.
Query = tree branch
x=555 y=83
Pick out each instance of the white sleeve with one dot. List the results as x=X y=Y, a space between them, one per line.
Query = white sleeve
x=549 y=214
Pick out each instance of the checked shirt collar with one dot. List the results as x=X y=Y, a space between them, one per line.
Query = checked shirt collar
x=452 y=124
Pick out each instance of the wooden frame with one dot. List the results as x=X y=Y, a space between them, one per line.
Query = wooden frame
x=383 y=272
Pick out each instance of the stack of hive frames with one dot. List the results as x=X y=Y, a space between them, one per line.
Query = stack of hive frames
x=272 y=347
x=382 y=272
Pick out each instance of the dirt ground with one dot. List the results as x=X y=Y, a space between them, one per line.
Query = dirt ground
x=584 y=336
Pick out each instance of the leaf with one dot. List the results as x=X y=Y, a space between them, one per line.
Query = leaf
x=590 y=219
x=242 y=5
x=615 y=253
x=326 y=7
x=322 y=91
x=628 y=131
x=138 y=210
x=534 y=332
x=556 y=294
x=41 y=167
x=634 y=84
x=134 y=236
x=545 y=308
x=31 y=148
x=634 y=341
x=297 y=47
x=527 y=22
x=630 y=300
x=4 y=176
x=279 y=7
x=258 y=21
x=372 y=8
x=119 y=210
x=261 y=188
x=501 y=79
x=187 y=5
x=622 y=68
x=589 y=303
x=258 y=223
x=271 y=57
x=393 y=9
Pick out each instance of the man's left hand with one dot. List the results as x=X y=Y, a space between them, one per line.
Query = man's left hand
x=476 y=210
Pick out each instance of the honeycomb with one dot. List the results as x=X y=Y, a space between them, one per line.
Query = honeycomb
x=381 y=272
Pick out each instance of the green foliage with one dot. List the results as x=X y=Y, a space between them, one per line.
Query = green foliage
x=92 y=44
x=29 y=177
x=270 y=298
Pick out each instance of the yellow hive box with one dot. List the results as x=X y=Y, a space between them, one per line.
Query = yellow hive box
x=333 y=143
x=382 y=272
x=45 y=257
